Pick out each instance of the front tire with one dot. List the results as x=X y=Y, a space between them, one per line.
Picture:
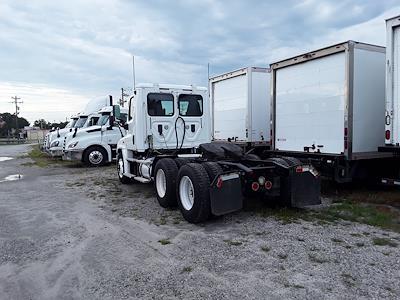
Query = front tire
x=165 y=174
x=193 y=193
x=121 y=169
x=95 y=156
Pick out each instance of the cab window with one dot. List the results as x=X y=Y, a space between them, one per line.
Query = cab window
x=190 y=105
x=103 y=120
x=160 y=104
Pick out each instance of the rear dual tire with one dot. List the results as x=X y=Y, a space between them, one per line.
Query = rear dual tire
x=193 y=193
x=188 y=187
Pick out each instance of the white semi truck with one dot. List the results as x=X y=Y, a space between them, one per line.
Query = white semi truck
x=168 y=142
x=328 y=107
x=52 y=134
x=54 y=139
x=240 y=106
x=57 y=136
x=96 y=145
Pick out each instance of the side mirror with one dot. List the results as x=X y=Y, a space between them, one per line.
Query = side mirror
x=125 y=126
x=111 y=121
x=116 y=111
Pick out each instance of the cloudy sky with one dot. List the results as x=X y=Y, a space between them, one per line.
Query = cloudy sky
x=56 y=55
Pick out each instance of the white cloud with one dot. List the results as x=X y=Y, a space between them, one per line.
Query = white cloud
x=75 y=50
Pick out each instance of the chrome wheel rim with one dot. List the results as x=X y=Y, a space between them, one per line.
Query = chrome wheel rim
x=161 y=183
x=186 y=193
x=95 y=157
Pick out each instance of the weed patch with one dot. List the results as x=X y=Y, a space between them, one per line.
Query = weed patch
x=384 y=242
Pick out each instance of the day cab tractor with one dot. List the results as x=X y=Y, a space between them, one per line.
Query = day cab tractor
x=168 y=142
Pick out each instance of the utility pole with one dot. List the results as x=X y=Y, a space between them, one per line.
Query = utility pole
x=122 y=99
x=16 y=102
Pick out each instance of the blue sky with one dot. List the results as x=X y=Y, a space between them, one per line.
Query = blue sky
x=56 y=55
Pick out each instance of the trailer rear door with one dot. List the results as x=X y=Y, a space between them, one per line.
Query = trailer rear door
x=230 y=98
x=396 y=85
x=310 y=105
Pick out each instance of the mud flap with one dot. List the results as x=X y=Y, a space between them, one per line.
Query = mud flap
x=301 y=189
x=226 y=194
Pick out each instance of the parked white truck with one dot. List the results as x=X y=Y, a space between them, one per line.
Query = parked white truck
x=240 y=106
x=392 y=113
x=96 y=145
x=52 y=134
x=328 y=107
x=168 y=141
x=88 y=117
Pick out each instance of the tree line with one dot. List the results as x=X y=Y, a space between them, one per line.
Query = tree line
x=7 y=124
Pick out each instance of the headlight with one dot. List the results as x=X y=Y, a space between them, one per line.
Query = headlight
x=54 y=144
x=73 y=145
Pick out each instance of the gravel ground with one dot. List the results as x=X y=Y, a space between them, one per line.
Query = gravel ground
x=76 y=233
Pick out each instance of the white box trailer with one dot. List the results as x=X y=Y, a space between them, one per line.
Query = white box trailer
x=240 y=106
x=329 y=105
x=392 y=118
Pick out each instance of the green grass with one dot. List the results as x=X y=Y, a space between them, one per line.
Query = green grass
x=384 y=242
x=265 y=248
x=187 y=270
x=233 y=243
x=317 y=259
x=42 y=160
x=164 y=242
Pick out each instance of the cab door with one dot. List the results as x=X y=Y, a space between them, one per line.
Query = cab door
x=162 y=115
x=190 y=108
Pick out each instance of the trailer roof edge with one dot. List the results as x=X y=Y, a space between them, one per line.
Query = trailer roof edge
x=325 y=51
x=238 y=72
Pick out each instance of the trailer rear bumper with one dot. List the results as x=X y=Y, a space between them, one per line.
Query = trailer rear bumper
x=391 y=149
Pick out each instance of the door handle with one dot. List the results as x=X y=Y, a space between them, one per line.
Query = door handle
x=160 y=130
x=193 y=128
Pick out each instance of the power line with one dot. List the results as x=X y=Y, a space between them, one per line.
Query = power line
x=16 y=102
x=122 y=100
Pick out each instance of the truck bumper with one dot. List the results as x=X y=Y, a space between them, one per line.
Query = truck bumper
x=56 y=152
x=73 y=155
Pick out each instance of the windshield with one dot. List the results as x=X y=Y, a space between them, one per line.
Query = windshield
x=103 y=120
x=80 y=122
x=72 y=123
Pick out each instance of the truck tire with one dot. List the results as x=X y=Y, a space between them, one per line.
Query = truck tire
x=193 y=193
x=212 y=169
x=180 y=161
x=95 y=156
x=165 y=174
x=120 y=169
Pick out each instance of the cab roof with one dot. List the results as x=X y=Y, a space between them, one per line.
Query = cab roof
x=171 y=86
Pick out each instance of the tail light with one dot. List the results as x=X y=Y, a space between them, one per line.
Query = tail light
x=255 y=186
x=299 y=169
x=387 y=134
x=268 y=185
x=219 y=182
